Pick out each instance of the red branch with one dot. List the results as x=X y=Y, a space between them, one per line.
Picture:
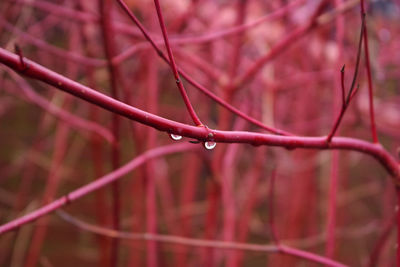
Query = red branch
x=200 y=242
x=192 y=81
x=41 y=73
x=369 y=76
x=93 y=186
x=174 y=68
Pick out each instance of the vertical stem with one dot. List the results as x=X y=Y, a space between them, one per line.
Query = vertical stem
x=108 y=35
x=237 y=41
x=385 y=235
x=54 y=176
x=334 y=178
x=151 y=203
x=271 y=208
x=197 y=85
x=174 y=68
x=331 y=220
x=213 y=198
x=250 y=202
x=369 y=76
x=229 y=170
x=96 y=146
x=189 y=183
x=398 y=227
x=53 y=182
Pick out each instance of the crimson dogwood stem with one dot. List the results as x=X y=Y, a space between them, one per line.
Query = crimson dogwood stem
x=170 y=61
x=369 y=76
x=110 y=47
x=192 y=81
x=213 y=36
x=331 y=222
x=41 y=73
x=200 y=242
x=174 y=68
x=398 y=225
x=97 y=184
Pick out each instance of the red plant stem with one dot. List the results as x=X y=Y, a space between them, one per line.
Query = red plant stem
x=95 y=185
x=332 y=196
x=381 y=242
x=29 y=169
x=336 y=125
x=228 y=159
x=189 y=180
x=137 y=189
x=110 y=51
x=151 y=212
x=39 y=233
x=230 y=217
x=282 y=45
x=100 y=205
x=231 y=108
x=237 y=41
x=213 y=199
x=193 y=82
x=398 y=226
x=369 y=76
x=171 y=61
x=271 y=208
x=352 y=91
x=41 y=73
x=209 y=37
x=174 y=68
x=96 y=146
x=151 y=142
x=334 y=175
x=197 y=62
x=250 y=201
x=237 y=29
x=60 y=150
x=311 y=257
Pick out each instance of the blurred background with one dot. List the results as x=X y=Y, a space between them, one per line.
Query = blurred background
x=277 y=61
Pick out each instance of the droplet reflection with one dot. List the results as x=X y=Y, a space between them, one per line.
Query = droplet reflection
x=175 y=137
x=210 y=145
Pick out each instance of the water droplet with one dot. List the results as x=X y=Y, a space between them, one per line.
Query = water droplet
x=175 y=137
x=209 y=145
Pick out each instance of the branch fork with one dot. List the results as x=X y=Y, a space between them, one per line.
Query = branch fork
x=353 y=88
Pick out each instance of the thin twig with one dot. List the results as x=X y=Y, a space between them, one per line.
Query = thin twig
x=353 y=88
x=197 y=242
x=95 y=185
x=193 y=82
x=61 y=82
x=369 y=76
x=174 y=68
